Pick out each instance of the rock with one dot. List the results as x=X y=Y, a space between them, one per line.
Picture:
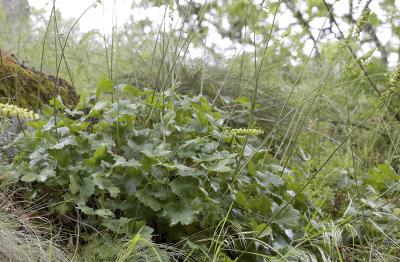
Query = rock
x=28 y=88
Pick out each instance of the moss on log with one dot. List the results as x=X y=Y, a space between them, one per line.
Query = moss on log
x=28 y=88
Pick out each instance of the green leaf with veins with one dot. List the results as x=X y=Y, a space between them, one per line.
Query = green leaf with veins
x=222 y=166
x=183 y=213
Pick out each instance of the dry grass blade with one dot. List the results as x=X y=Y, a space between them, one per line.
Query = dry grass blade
x=20 y=241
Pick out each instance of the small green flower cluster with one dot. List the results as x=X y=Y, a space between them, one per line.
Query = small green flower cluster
x=361 y=22
x=388 y=92
x=393 y=84
x=13 y=110
x=363 y=59
x=367 y=55
x=286 y=33
x=244 y=132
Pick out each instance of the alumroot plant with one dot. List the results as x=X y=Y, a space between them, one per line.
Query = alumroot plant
x=9 y=110
x=244 y=131
x=355 y=31
x=393 y=84
x=361 y=22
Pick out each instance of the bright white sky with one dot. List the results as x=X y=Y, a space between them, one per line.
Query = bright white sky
x=101 y=18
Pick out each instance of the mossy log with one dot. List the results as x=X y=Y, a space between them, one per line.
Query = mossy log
x=28 y=88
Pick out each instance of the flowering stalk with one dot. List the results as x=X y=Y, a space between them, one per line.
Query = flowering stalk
x=9 y=110
x=244 y=132
x=362 y=21
x=393 y=85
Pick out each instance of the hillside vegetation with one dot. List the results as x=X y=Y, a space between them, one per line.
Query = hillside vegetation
x=275 y=153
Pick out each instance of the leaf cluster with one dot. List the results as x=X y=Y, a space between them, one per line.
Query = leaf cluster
x=162 y=163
